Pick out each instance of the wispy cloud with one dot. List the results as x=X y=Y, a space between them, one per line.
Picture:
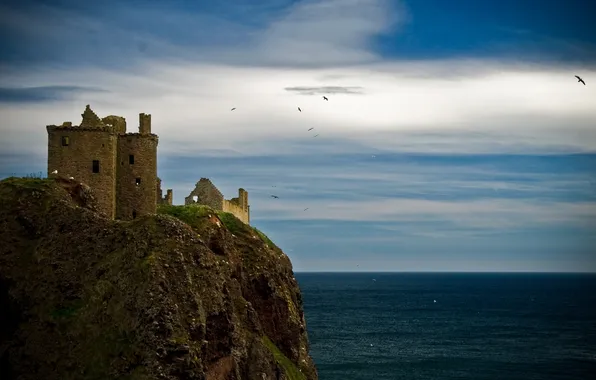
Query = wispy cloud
x=325 y=90
x=43 y=94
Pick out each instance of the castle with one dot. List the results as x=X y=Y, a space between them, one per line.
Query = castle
x=121 y=167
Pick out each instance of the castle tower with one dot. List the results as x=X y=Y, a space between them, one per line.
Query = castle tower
x=88 y=153
x=137 y=172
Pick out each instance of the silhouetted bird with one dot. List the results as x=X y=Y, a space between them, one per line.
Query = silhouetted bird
x=233 y=109
x=306 y=209
x=310 y=129
x=324 y=97
x=580 y=80
x=274 y=196
x=299 y=109
x=316 y=135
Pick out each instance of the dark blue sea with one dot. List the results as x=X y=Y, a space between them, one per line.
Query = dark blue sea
x=482 y=326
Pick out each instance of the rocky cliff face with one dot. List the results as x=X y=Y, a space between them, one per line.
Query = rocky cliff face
x=186 y=294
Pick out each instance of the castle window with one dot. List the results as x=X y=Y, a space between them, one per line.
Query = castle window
x=131 y=159
x=138 y=181
x=65 y=140
x=134 y=214
x=95 y=166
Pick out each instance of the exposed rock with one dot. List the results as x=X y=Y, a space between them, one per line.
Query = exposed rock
x=85 y=297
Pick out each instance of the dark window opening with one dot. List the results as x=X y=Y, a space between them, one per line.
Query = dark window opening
x=134 y=214
x=138 y=181
x=95 y=166
x=131 y=159
x=65 y=140
x=103 y=145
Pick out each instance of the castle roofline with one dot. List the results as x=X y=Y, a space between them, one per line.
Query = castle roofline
x=78 y=128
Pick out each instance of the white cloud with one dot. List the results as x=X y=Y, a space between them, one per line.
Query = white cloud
x=486 y=213
x=190 y=104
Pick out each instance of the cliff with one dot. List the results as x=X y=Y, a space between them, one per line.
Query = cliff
x=189 y=293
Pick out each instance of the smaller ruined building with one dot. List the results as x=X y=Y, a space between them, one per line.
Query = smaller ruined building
x=205 y=193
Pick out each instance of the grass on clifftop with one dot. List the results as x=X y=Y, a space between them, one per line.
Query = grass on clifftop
x=196 y=215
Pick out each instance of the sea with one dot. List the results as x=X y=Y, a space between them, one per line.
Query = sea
x=451 y=325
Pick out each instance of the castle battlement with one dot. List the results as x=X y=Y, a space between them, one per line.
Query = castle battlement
x=120 y=167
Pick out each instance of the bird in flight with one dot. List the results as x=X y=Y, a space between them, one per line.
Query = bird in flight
x=233 y=109
x=580 y=80
x=315 y=135
x=274 y=196
x=310 y=129
x=299 y=109
x=324 y=97
x=306 y=209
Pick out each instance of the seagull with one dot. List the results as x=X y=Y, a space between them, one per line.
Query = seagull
x=324 y=97
x=70 y=177
x=299 y=109
x=55 y=172
x=310 y=129
x=316 y=135
x=306 y=209
x=233 y=109
x=580 y=80
x=274 y=196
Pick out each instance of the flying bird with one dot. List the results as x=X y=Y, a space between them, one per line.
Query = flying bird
x=299 y=109
x=324 y=97
x=580 y=80
x=315 y=135
x=233 y=109
x=310 y=129
x=306 y=209
x=274 y=196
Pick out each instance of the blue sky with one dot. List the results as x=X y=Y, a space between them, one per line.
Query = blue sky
x=455 y=138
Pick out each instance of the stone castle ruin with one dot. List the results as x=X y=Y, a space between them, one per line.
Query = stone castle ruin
x=121 y=167
x=206 y=193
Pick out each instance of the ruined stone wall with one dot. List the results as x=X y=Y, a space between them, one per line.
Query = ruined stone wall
x=159 y=192
x=134 y=199
x=234 y=208
x=169 y=198
x=117 y=122
x=86 y=144
x=207 y=194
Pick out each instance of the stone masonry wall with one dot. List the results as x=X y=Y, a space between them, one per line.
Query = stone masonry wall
x=234 y=208
x=76 y=160
x=134 y=199
x=207 y=194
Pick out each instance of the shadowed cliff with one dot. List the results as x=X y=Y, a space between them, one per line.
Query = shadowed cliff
x=189 y=293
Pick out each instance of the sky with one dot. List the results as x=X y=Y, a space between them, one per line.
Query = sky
x=455 y=138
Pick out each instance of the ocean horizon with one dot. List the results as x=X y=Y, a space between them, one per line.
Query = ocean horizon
x=451 y=325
